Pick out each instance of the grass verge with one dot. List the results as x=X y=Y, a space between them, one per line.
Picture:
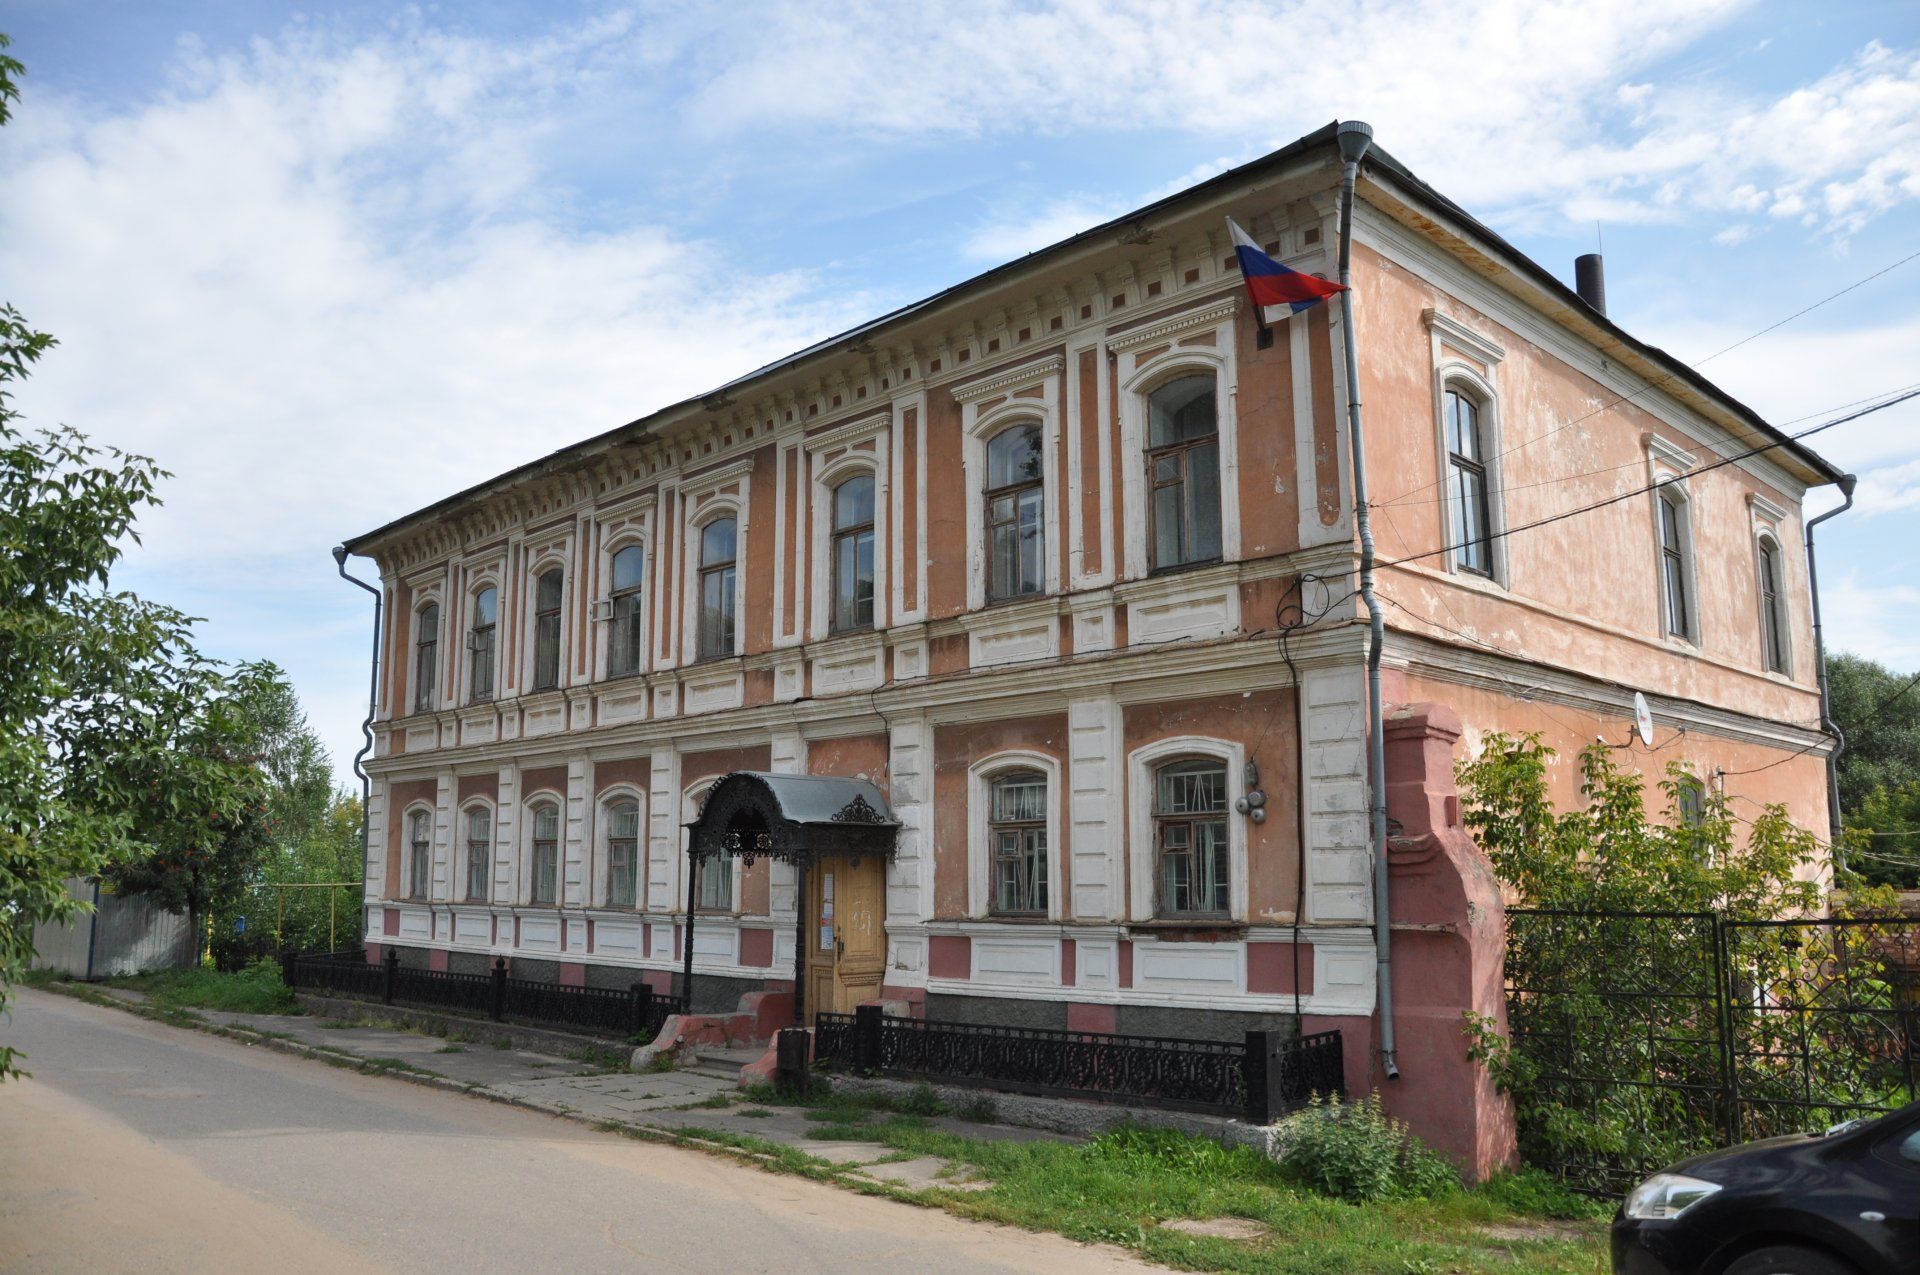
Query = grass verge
x=257 y=989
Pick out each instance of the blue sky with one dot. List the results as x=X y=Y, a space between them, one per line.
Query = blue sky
x=331 y=262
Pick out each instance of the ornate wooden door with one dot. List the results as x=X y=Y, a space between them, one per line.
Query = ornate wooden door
x=846 y=934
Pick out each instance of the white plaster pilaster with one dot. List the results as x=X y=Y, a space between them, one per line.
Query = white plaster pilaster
x=1334 y=791
x=577 y=863
x=789 y=757
x=1094 y=788
x=665 y=892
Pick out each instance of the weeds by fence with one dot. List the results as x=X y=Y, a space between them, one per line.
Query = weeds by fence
x=1638 y=1038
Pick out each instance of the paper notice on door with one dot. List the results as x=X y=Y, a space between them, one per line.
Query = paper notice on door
x=826 y=937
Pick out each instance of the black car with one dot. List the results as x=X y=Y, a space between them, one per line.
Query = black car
x=1845 y=1202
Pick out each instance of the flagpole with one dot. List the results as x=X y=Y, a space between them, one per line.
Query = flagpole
x=1354 y=138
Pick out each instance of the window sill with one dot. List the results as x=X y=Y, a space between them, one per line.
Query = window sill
x=1178 y=568
x=1196 y=930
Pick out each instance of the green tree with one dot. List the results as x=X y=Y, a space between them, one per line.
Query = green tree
x=1879 y=770
x=97 y=687
x=1879 y=711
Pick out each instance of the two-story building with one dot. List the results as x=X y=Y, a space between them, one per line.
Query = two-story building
x=1062 y=560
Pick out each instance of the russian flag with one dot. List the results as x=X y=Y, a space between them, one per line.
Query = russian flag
x=1277 y=292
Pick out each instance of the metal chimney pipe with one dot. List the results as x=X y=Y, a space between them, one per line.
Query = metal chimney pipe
x=1590 y=281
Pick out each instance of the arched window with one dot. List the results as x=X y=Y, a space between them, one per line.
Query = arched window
x=546 y=852
x=1183 y=473
x=426 y=656
x=419 y=853
x=1190 y=838
x=1017 y=842
x=1773 y=607
x=718 y=545
x=1676 y=567
x=1016 y=534
x=714 y=892
x=623 y=854
x=481 y=644
x=479 y=853
x=853 y=554
x=546 y=629
x=1470 y=529
x=623 y=642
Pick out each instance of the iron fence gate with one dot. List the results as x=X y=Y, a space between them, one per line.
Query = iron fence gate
x=1639 y=1038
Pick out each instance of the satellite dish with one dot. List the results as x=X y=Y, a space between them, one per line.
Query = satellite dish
x=1643 y=719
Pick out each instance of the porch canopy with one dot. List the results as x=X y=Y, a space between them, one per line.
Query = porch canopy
x=797 y=819
x=793 y=818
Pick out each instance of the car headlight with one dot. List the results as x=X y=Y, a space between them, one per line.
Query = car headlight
x=1667 y=1195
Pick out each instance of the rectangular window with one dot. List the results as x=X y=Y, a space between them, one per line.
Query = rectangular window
x=546 y=631
x=1017 y=835
x=714 y=893
x=623 y=855
x=1183 y=473
x=479 y=854
x=1677 y=598
x=546 y=854
x=420 y=854
x=1015 y=495
x=480 y=644
x=853 y=555
x=623 y=642
x=718 y=545
x=1773 y=617
x=1190 y=835
x=1471 y=531
x=426 y=658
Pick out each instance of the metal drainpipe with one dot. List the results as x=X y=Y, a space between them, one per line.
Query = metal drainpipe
x=1354 y=138
x=1827 y=723
x=366 y=726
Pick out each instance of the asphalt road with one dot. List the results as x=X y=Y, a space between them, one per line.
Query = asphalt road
x=140 y=1147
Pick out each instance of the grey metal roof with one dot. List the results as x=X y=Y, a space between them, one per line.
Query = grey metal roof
x=820 y=798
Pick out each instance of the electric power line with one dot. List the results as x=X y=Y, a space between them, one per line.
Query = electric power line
x=1671 y=377
x=1656 y=485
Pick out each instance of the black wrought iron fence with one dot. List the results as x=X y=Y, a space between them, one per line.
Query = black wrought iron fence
x=1258 y=1078
x=1639 y=1038
x=636 y=1011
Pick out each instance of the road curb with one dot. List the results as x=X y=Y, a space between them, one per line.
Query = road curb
x=431 y=1080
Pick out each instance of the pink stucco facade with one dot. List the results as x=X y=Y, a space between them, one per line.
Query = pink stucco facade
x=1117 y=667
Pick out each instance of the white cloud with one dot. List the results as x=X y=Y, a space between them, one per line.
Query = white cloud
x=1881 y=622
x=321 y=284
x=1501 y=102
x=1023 y=232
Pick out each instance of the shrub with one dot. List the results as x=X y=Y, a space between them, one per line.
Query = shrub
x=1358 y=1153
x=257 y=989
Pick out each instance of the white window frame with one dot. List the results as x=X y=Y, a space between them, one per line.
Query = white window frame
x=463 y=686
x=463 y=854
x=1141 y=850
x=823 y=477
x=826 y=479
x=714 y=508
x=1134 y=392
x=529 y=807
x=1467 y=381
x=978 y=428
x=980 y=777
x=691 y=798
x=1667 y=468
x=599 y=887
x=550 y=559
x=603 y=606
x=1764 y=537
x=434 y=699
x=407 y=852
